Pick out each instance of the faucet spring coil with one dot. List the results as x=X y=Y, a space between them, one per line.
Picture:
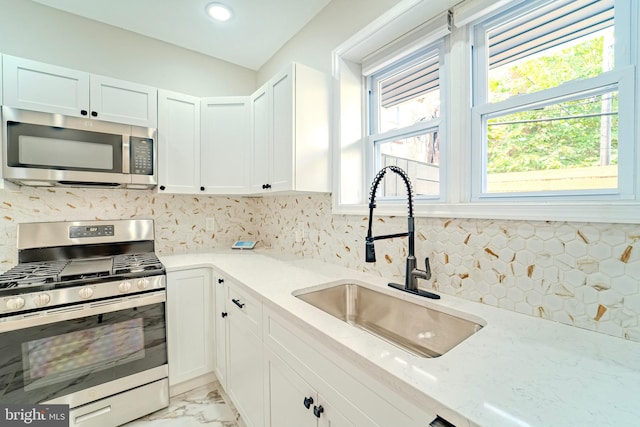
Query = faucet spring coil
x=378 y=179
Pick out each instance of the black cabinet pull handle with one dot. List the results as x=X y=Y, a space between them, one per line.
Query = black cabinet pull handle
x=308 y=401
x=220 y=280
x=94 y=114
x=224 y=314
x=237 y=302
x=84 y=112
x=317 y=410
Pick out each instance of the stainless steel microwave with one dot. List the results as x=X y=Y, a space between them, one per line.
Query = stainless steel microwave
x=43 y=149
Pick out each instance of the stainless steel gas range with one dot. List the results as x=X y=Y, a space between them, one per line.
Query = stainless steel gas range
x=82 y=321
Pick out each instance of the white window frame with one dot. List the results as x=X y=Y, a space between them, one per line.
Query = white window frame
x=374 y=137
x=622 y=78
x=350 y=150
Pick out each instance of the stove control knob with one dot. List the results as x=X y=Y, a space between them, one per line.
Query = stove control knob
x=124 y=287
x=41 y=299
x=15 y=303
x=85 y=293
x=142 y=283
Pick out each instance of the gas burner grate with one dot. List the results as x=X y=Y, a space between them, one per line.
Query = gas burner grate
x=135 y=263
x=32 y=273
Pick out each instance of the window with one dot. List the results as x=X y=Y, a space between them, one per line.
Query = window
x=519 y=109
x=551 y=110
x=405 y=126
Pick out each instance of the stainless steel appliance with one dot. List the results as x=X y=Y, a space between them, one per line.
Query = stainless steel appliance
x=44 y=149
x=82 y=321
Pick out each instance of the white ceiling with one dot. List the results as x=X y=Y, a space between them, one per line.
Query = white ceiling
x=257 y=30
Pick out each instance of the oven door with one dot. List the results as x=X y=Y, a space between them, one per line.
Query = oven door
x=81 y=353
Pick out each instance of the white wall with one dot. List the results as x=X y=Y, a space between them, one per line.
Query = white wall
x=313 y=45
x=34 y=31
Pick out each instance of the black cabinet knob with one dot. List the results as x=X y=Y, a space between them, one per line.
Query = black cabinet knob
x=224 y=314
x=220 y=280
x=94 y=114
x=318 y=410
x=84 y=112
x=162 y=187
x=308 y=401
x=201 y=188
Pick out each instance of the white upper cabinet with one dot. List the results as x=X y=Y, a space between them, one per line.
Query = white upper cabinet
x=124 y=102
x=203 y=144
x=225 y=145
x=290 y=132
x=33 y=85
x=178 y=143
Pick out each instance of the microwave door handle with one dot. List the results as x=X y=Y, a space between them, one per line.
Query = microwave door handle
x=126 y=154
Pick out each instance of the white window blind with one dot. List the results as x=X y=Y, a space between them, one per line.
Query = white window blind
x=554 y=24
x=473 y=10
x=408 y=44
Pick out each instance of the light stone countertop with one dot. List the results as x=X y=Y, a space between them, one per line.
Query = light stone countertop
x=517 y=371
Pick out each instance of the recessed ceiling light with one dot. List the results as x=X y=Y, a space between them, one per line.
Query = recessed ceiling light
x=219 y=12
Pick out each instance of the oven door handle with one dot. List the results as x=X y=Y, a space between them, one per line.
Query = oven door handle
x=77 y=311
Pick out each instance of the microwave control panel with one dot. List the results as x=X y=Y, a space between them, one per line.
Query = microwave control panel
x=141 y=156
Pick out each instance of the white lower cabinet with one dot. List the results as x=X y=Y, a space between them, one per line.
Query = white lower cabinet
x=298 y=368
x=240 y=362
x=189 y=325
x=292 y=402
x=278 y=374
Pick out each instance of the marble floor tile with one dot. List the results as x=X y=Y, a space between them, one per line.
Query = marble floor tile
x=196 y=408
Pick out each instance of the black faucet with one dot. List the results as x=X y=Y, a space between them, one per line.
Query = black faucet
x=412 y=273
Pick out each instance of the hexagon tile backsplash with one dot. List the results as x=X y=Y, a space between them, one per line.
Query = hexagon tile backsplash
x=580 y=274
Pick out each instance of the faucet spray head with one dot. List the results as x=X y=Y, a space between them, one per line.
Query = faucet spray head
x=370 y=251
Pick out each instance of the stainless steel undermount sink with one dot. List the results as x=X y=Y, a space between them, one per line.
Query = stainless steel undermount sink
x=421 y=330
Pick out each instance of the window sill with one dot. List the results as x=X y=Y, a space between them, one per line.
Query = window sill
x=613 y=212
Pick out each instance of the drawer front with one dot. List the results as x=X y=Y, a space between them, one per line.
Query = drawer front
x=245 y=309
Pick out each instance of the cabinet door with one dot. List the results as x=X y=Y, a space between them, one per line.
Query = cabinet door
x=261 y=141
x=189 y=324
x=286 y=395
x=225 y=145
x=244 y=375
x=222 y=327
x=32 y=85
x=119 y=101
x=178 y=143
x=245 y=371
x=282 y=105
